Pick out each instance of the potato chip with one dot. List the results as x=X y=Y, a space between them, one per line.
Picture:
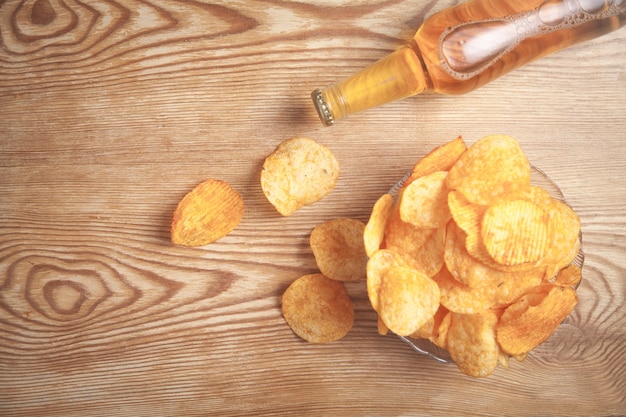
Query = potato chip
x=534 y=318
x=516 y=232
x=207 y=213
x=318 y=309
x=402 y=237
x=565 y=226
x=492 y=167
x=442 y=158
x=570 y=276
x=429 y=258
x=299 y=172
x=377 y=265
x=339 y=250
x=407 y=300
x=472 y=343
x=375 y=228
x=424 y=202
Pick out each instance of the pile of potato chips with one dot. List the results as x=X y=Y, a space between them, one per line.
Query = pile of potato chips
x=472 y=256
x=469 y=255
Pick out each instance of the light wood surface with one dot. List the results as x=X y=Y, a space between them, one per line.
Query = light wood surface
x=110 y=112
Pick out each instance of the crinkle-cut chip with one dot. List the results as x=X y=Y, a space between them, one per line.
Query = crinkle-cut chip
x=570 y=276
x=424 y=202
x=318 y=309
x=402 y=237
x=472 y=343
x=378 y=264
x=207 y=213
x=375 y=228
x=439 y=159
x=492 y=167
x=339 y=250
x=534 y=318
x=516 y=232
x=407 y=300
x=565 y=226
x=299 y=172
x=429 y=258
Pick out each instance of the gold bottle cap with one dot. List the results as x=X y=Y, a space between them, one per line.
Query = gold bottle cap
x=322 y=108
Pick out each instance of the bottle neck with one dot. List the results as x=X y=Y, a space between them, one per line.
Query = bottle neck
x=396 y=76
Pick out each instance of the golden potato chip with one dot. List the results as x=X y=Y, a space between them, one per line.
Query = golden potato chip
x=534 y=318
x=375 y=228
x=424 y=202
x=429 y=258
x=442 y=158
x=565 y=226
x=299 y=172
x=377 y=265
x=516 y=232
x=465 y=268
x=570 y=276
x=402 y=237
x=432 y=328
x=407 y=300
x=472 y=343
x=207 y=213
x=318 y=309
x=339 y=250
x=382 y=327
x=492 y=167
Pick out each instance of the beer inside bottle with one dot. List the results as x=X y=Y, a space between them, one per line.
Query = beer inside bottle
x=464 y=47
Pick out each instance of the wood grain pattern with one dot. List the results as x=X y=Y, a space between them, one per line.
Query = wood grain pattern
x=111 y=111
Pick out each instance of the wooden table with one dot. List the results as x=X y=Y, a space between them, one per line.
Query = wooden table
x=111 y=111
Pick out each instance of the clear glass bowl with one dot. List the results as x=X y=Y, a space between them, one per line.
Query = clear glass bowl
x=538 y=178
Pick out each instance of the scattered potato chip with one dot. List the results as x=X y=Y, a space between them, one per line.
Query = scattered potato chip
x=472 y=343
x=516 y=232
x=207 y=213
x=424 y=201
x=299 y=172
x=318 y=309
x=407 y=299
x=534 y=317
x=375 y=228
x=441 y=158
x=339 y=249
x=492 y=167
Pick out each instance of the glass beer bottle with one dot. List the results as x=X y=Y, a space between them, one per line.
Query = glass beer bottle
x=464 y=47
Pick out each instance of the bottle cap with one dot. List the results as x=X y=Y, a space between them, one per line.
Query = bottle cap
x=322 y=108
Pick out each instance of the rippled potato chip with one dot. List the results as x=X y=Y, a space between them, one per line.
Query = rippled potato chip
x=492 y=167
x=472 y=343
x=424 y=202
x=516 y=232
x=374 y=232
x=407 y=299
x=565 y=226
x=207 y=213
x=318 y=309
x=339 y=249
x=299 y=172
x=534 y=317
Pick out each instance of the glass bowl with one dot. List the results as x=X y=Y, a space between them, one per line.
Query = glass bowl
x=538 y=178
